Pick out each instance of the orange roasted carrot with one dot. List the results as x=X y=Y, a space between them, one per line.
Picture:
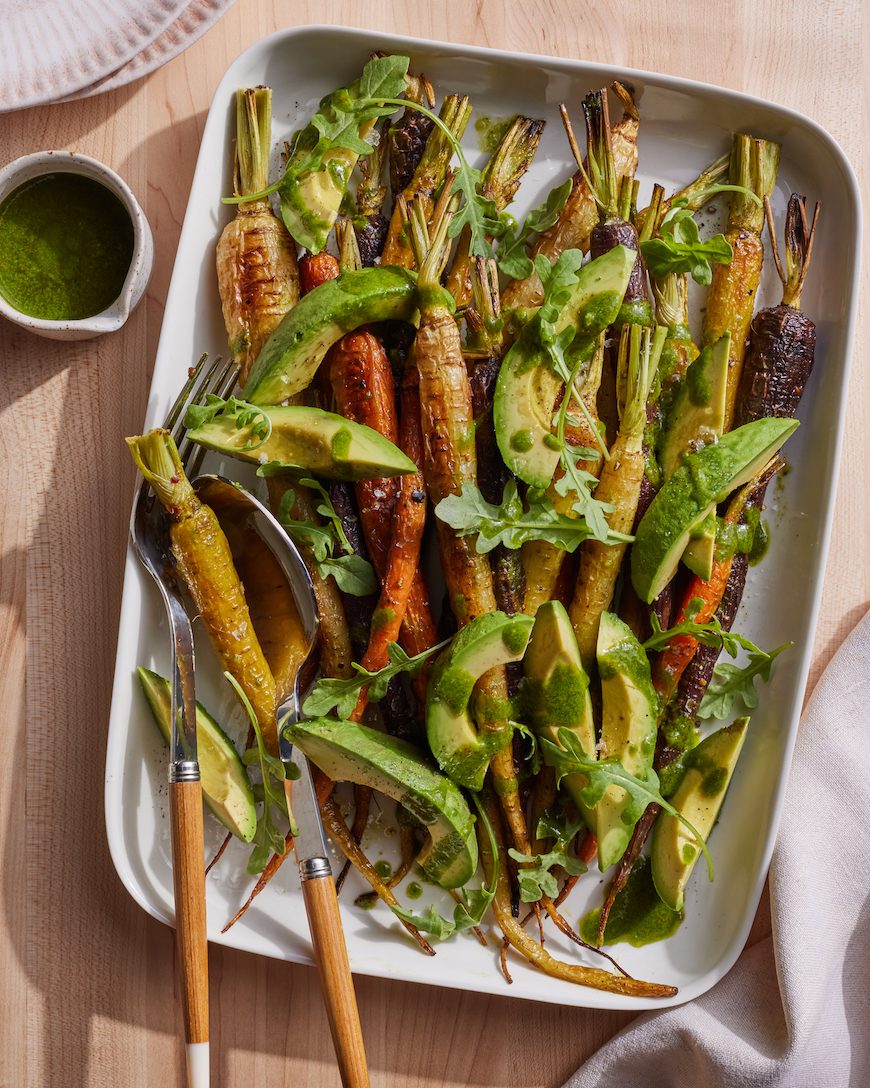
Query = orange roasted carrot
x=409 y=520
x=315 y=269
x=676 y=656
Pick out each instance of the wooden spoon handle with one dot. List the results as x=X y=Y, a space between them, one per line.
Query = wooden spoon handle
x=188 y=873
x=330 y=952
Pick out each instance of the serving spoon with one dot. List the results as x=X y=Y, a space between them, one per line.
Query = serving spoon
x=229 y=500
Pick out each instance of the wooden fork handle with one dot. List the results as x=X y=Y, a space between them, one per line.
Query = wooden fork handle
x=336 y=981
x=188 y=871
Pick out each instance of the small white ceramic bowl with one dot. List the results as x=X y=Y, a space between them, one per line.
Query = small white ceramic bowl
x=109 y=320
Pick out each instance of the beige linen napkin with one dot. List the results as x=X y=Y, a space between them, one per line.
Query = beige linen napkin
x=794 y=1012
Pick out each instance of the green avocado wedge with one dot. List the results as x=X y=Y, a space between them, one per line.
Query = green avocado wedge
x=463 y=752
x=704 y=479
x=696 y=418
x=349 y=752
x=699 y=797
x=292 y=354
x=629 y=714
x=527 y=387
x=309 y=440
x=555 y=692
x=226 y=788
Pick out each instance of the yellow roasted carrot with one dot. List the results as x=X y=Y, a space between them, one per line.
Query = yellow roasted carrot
x=258 y=279
x=499 y=181
x=731 y=298
x=542 y=562
x=527 y=946
x=619 y=485
x=580 y=213
x=205 y=563
x=449 y=463
x=428 y=178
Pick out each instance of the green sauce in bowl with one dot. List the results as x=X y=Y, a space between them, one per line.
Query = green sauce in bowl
x=66 y=243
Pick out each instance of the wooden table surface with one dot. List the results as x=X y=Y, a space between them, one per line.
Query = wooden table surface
x=85 y=976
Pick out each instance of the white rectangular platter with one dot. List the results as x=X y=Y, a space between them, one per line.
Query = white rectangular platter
x=684 y=126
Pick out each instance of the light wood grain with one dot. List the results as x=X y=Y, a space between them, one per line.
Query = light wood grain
x=84 y=973
x=188 y=869
x=336 y=981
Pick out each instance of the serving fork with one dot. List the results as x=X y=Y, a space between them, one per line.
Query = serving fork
x=149 y=531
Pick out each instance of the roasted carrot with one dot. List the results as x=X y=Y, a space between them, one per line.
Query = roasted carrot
x=544 y=563
x=619 y=485
x=369 y=224
x=675 y=657
x=484 y=363
x=341 y=836
x=408 y=135
x=450 y=462
x=731 y=298
x=428 y=177
x=205 y=563
x=409 y=520
x=258 y=280
x=580 y=213
x=336 y=652
x=782 y=340
x=499 y=181
x=528 y=948
x=315 y=269
x=362 y=384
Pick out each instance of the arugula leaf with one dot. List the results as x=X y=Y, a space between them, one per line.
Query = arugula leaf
x=244 y=415
x=337 y=123
x=534 y=756
x=318 y=538
x=601 y=774
x=581 y=483
x=267 y=838
x=732 y=685
x=477 y=211
x=509 y=524
x=680 y=249
x=351 y=572
x=536 y=880
x=713 y=634
x=470 y=911
x=512 y=258
x=342 y=694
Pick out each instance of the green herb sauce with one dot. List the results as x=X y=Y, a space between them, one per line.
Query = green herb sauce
x=638 y=916
x=491 y=131
x=414 y=890
x=750 y=537
x=383 y=869
x=66 y=242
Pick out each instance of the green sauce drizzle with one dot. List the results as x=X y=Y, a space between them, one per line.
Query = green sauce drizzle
x=638 y=916
x=66 y=242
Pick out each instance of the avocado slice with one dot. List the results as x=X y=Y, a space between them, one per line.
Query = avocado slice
x=699 y=797
x=629 y=713
x=697 y=414
x=309 y=439
x=704 y=479
x=527 y=387
x=349 y=752
x=292 y=354
x=696 y=418
x=463 y=752
x=226 y=788
x=556 y=690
